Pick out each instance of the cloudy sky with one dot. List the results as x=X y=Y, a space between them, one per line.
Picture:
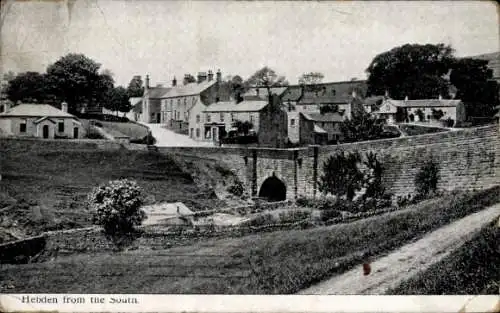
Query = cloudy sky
x=167 y=38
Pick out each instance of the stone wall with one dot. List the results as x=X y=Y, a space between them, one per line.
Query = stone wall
x=25 y=144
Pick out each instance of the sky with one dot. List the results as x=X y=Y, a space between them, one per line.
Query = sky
x=170 y=38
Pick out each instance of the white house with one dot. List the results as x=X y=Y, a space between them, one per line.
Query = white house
x=41 y=121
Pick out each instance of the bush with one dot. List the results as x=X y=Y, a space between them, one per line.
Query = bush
x=329 y=214
x=341 y=175
x=236 y=189
x=117 y=208
x=261 y=220
x=427 y=178
x=294 y=216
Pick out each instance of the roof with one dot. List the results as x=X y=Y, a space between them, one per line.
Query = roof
x=188 y=90
x=327 y=117
x=261 y=93
x=136 y=104
x=425 y=103
x=157 y=92
x=333 y=92
x=43 y=119
x=320 y=130
x=230 y=106
x=35 y=110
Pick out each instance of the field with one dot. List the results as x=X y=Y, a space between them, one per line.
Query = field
x=471 y=270
x=272 y=263
x=46 y=190
x=134 y=130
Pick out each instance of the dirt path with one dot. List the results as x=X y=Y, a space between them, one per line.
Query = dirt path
x=387 y=272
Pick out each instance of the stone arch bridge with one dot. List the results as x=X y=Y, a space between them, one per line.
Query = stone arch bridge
x=468 y=159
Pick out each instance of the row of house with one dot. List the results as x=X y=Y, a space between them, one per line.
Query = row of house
x=312 y=114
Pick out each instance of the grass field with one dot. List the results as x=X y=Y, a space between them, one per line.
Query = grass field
x=50 y=187
x=273 y=263
x=134 y=130
x=471 y=270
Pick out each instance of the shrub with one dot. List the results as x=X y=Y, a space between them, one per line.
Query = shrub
x=261 y=220
x=236 y=189
x=341 y=175
x=427 y=178
x=117 y=208
x=294 y=216
x=329 y=214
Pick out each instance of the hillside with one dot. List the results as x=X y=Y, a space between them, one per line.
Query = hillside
x=45 y=190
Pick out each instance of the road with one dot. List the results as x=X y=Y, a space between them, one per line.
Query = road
x=167 y=138
x=389 y=271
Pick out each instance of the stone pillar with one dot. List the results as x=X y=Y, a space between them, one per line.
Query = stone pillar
x=254 y=173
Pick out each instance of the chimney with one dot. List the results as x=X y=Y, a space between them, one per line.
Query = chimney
x=210 y=75
x=64 y=107
x=147 y=82
x=174 y=82
x=386 y=94
x=406 y=98
x=257 y=91
x=185 y=82
x=354 y=94
x=219 y=76
x=202 y=76
x=440 y=97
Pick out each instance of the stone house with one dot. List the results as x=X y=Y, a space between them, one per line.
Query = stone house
x=316 y=128
x=40 y=121
x=151 y=102
x=217 y=119
x=423 y=110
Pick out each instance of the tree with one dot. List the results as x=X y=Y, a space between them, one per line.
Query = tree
x=427 y=178
x=373 y=177
x=329 y=108
x=243 y=127
x=311 y=78
x=437 y=114
x=27 y=87
x=341 y=175
x=266 y=77
x=475 y=87
x=413 y=70
x=117 y=208
x=10 y=75
x=362 y=127
x=117 y=99
x=75 y=79
x=135 y=87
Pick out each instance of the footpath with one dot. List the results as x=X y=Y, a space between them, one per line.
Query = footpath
x=401 y=264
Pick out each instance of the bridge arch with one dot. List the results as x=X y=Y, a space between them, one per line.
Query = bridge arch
x=273 y=189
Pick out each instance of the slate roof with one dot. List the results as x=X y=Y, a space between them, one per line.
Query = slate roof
x=425 y=103
x=327 y=117
x=35 y=110
x=136 y=103
x=188 y=90
x=333 y=92
x=252 y=93
x=157 y=92
x=230 y=106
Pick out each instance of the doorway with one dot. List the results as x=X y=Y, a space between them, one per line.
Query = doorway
x=45 y=131
x=75 y=132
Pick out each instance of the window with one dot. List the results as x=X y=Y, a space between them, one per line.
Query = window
x=207 y=133
x=191 y=133
x=197 y=118
x=232 y=117
x=175 y=114
x=208 y=117
x=185 y=101
x=197 y=133
x=22 y=126
x=292 y=122
x=1 y=109
x=251 y=118
x=179 y=101
x=60 y=126
x=222 y=117
x=304 y=107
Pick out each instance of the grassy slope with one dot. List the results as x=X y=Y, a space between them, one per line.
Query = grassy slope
x=51 y=186
x=133 y=130
x=273 y=263
x=472 y=269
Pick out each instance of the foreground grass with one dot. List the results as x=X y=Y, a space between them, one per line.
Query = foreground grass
x=274 y=263
x=51 y=186
x=472 y=269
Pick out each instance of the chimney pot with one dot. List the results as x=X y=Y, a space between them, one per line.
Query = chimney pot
x=219 y=76
x=210 y=75
x=406 y=98
x=174 y=82
x=64 y=107
x=440 y=97
x=147 y=81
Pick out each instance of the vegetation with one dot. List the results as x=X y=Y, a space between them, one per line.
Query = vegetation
x=271 y=263
x=426 y=71
x=471 y=270
x=362 y=127
x=344 y=174
x=266 y=77
x=427 y=178
x=116 y=207
x=135 y=88
x=311 y=78
x=55 y=184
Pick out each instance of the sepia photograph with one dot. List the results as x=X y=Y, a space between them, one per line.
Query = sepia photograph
x=248 y=148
